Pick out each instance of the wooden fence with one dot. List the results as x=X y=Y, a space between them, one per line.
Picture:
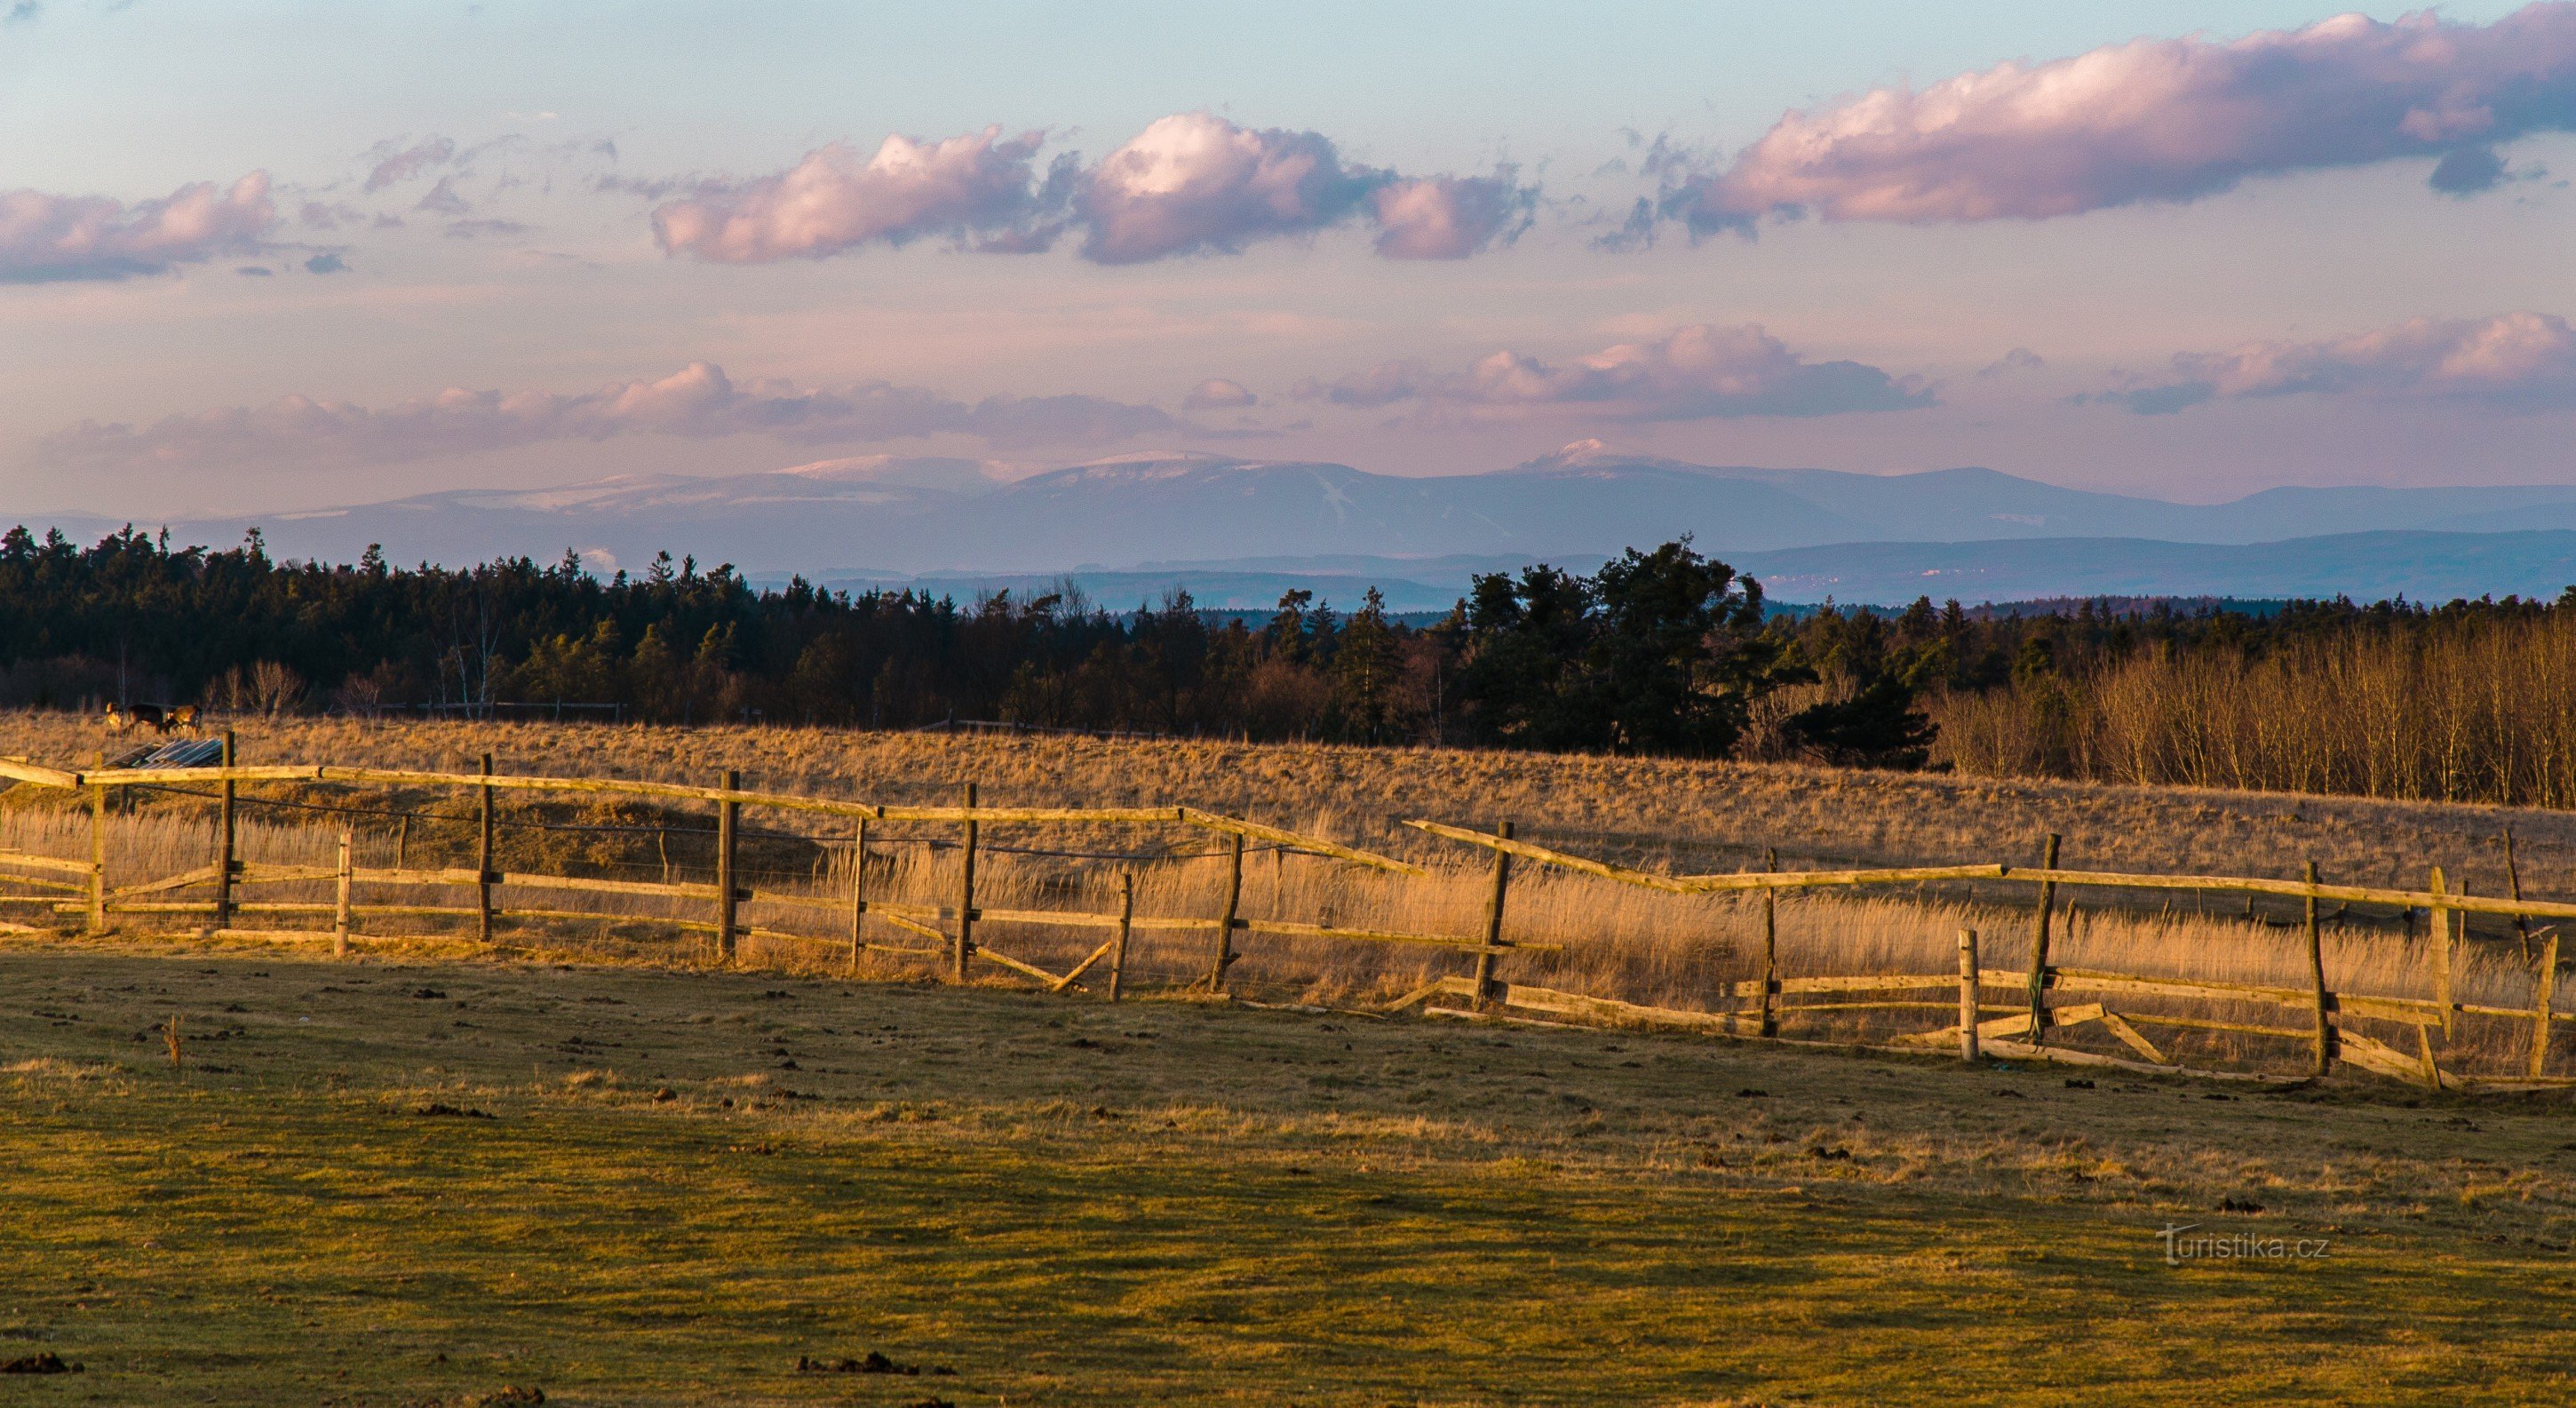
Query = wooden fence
x=1992 y=1012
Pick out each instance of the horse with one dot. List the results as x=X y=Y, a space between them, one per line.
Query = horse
x=183 y=719
x=152 y=716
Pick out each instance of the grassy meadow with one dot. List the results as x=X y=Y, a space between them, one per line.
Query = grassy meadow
x=435 y=1182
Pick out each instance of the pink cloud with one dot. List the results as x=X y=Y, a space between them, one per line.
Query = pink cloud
x=1194 y=182
x=49 y=238
x=1697 y=373
x=1218 y=394
x=832 y=201
x=2154 y=119
x=699 y=401
x=1191 y=183
x=1451 y=217
x=2514 y=361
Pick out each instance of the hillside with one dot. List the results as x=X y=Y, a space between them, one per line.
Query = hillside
x=1709 y=815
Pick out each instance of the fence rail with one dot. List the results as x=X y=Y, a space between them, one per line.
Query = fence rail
x=2022 y=1027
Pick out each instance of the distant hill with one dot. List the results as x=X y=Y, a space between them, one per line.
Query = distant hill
x=1134 y=524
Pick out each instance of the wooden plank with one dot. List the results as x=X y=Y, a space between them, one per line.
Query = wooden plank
x=2065 y=1056
x=1550 y=1000
x=1816 y=879
x=996 y=956
x=2204 y=1024
x=1375 y=936
x=2129 y=1037
x=2424 y=1052
x=127 y=777
x=924 y=930
x=728 y=822
x=2378 y=1059
x=2295 y=889
x=17 y=771
x=1097 y=954
x=1293 y=840
x=1541 y=854
x=1437 y=987
x=2094 y=980
x=31 y=861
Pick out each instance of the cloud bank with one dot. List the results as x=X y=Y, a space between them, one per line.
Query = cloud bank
x=698 y=401
x=49 y=238
x=1191 y=183
x=2158 y=120
x=2514 y=361
x=1700 y=372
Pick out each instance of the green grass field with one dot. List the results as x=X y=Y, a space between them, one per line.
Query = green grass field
x=666 y=1187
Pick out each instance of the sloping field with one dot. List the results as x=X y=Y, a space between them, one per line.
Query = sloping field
x=1709 y=815
x=389 y=1183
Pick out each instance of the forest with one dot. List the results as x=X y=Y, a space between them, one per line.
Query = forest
x=1663 y=650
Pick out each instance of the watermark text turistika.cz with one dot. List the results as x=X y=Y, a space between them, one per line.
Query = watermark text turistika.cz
x=2182 y=1247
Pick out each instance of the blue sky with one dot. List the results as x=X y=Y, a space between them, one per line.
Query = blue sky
x=625 y=238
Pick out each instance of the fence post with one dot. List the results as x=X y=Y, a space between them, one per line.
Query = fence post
x=858 y=890
x=1494 y=917
x=964 y=948
x=1770 y=1023
x=1225 y=921
x=1126 y=922
x=2317 y=978
x=2441 y=931
x=225 y=865
x=2513 y=881
x=2039 y=942
x=1967 y=994
x=340 y=905
x=98 y=854
x=2544 y=990
x=483 y=862
x=728 y=819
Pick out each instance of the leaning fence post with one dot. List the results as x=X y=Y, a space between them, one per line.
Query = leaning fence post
x=1126 y=923
x=1225 y=922
x=2039 y=942
x=340 y=904
x=483 y=862
x=858 y=890
x=2317 y=976
x=2441 y=931
x=1967 y=994
x=2544 y=991
x=1494 y=917
x=728 y=820
x=225 y=865
x=964 y=948
x=1770 y=1023
x=98 y=853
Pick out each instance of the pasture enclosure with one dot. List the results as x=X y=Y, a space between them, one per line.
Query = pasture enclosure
x=1989 y=958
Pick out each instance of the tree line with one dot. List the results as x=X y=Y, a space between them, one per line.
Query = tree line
x=1662 y=650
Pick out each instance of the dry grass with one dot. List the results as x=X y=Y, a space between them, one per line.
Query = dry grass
x=1617 y=942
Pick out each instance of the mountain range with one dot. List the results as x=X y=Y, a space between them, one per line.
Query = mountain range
x=1236 y=531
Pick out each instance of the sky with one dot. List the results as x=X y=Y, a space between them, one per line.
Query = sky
x=262 y=257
